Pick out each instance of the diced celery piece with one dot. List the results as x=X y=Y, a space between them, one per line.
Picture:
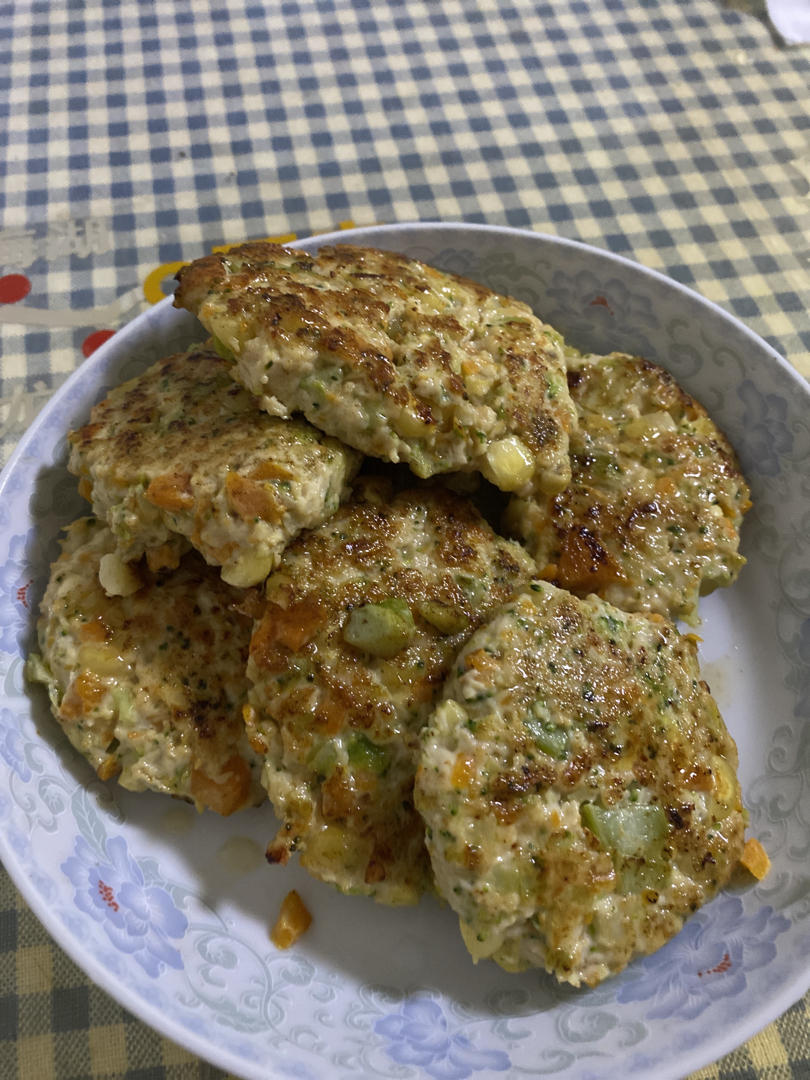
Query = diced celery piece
x=634 y=835
x=316 y=388
x=222 y=350
x=324 y=758
x=36 y=670
x=419 y=462
x=382 y=629
x=548 y=736
x=632 y=829
x=604 y=466
x=124 y=704
x=650 y=425
x=506 y=878
x=450 y=713
x=473 y=587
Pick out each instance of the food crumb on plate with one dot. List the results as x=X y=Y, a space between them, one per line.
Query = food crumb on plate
x=294 y=919
x=755 y=858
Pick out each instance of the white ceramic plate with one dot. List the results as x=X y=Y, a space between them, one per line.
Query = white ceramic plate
x=169 y=910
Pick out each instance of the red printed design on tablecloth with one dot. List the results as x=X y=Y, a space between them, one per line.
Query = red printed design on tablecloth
x=14 y=287
x=92 y=341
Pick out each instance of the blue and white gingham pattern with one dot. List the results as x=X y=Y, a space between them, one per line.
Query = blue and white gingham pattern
x=139 y=134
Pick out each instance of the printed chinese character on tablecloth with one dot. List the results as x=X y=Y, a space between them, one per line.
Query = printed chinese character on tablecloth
x=18 y=248
x=82 y=238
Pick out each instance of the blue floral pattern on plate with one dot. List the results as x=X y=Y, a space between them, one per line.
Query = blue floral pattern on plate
x=12 y=746
x=143 y=887
x=418 y=1035
x=15 y=580
x=709 y=959
x=139 y=919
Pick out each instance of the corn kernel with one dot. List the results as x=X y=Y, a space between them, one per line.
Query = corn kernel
x=509 y=464
x=117 y=578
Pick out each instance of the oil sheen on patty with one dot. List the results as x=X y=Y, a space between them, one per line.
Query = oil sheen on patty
x=182 y=454
x=363 y=618
x=578 y=785
x=651 y=519
x=150 y=687
x=398 y=359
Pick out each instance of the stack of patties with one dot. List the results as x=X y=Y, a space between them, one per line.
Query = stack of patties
x=149 y=687
x=426 y=703
x=143 y=640
x=182 y=464
x=364 y=618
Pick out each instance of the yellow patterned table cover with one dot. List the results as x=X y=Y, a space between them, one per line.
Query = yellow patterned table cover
x=136 y=136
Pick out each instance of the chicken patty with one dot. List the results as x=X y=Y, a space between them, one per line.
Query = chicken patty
x=578 y=785
x=149 y=687
x=184 y=454
x=398 y=359
x=363 y=618
x=651 y=519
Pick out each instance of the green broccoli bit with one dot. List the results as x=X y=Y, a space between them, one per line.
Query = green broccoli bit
x=222 y=349
x=365 y=754
x=548 y=736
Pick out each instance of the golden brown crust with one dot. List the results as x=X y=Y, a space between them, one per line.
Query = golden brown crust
x=652 y=515
x=579 y=787
x=182 y=453
x=396 y=358
x=339 y=724
x=150 y=687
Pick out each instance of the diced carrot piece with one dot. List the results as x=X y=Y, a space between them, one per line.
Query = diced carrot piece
x=171 y=491
x=290 y=627
x=755 y=859
x=108 y=768
x=271 y=470
x=463 y=771
x=665 y=485
x=293 y=920
x=251 y=499
x=163 y=557
x=226 y=795
x=89 y=688
x=481 y=661
x=95 y=630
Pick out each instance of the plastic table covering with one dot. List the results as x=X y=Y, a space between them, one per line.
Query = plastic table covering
x=137 y=136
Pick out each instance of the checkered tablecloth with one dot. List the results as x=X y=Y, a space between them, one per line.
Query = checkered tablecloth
x=137 y=135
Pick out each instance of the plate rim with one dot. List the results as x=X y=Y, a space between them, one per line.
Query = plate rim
x=139 y=1006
